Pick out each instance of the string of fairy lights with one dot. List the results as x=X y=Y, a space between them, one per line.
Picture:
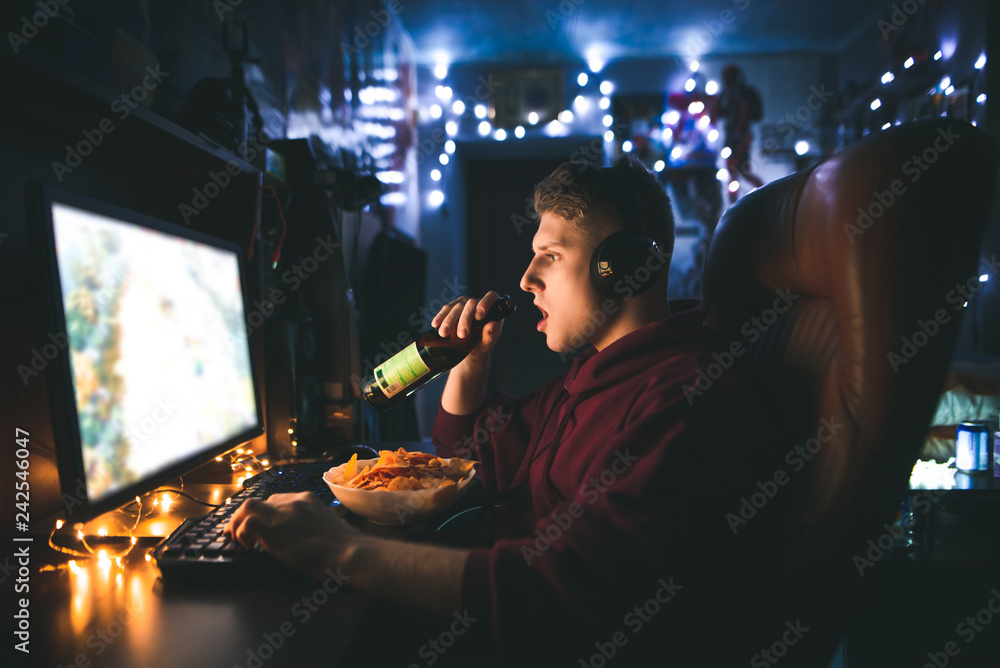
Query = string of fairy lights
x=668 y=144
x=242 y=460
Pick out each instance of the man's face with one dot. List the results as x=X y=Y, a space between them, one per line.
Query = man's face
x=559 y=278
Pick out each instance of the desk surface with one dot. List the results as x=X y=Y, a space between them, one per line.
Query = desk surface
x=99 y=613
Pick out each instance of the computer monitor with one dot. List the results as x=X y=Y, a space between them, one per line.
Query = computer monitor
x=156 y=374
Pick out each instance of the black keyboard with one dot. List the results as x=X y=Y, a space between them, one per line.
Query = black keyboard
x=199 y=551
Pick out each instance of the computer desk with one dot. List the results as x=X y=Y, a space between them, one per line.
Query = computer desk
x=102 y=614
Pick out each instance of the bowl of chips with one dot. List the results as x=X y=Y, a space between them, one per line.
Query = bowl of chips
x=400 y=487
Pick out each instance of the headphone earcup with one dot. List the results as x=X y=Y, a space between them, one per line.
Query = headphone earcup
x=625 y=265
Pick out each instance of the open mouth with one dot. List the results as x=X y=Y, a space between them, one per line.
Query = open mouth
x=545 y=317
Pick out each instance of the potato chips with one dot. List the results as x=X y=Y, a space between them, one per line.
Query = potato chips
x=402 y=470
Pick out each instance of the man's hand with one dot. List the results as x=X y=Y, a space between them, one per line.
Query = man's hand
x=302 y=532
x=466 y=387
x=298 y=529
x=456 y=317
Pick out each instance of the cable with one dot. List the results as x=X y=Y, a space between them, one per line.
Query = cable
x=276 y=255
x=196 y=500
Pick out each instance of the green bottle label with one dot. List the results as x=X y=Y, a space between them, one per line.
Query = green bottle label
x=401 y=370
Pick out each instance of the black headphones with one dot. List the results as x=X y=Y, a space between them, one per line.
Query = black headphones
x=627 y=263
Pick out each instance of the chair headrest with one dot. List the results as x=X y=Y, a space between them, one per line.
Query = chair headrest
x=867 y=250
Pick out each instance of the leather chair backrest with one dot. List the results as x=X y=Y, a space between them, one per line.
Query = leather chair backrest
x=869 y=248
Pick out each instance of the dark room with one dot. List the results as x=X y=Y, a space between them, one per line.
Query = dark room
x=574 y=333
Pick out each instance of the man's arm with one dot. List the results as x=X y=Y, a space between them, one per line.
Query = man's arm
x=465 y=388
x=303 y=532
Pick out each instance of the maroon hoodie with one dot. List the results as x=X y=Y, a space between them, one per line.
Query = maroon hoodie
x=621 y=480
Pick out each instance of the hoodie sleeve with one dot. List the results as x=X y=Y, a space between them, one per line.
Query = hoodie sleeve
x=643 y=526
x=503 y=419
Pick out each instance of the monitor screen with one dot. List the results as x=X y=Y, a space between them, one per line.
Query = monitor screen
x=158 y=374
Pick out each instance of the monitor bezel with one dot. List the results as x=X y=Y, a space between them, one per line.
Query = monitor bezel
x=68 y=447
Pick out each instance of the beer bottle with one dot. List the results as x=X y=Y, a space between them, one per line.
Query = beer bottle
x=425 y=359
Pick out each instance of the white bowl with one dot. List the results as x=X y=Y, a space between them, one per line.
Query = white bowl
x=394 y=508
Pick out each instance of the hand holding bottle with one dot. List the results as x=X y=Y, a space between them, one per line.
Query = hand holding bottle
x=459 y=318
x=464 y=329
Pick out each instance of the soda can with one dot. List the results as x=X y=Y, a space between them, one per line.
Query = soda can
x=972 y=447
x=996 y=454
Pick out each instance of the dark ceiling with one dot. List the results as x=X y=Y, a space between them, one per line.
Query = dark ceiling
x=560 y=30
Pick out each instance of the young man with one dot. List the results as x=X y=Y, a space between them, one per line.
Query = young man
x=618 y=482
